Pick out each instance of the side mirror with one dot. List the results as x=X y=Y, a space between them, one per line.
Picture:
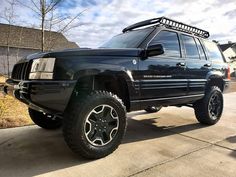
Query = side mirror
x=154 y=50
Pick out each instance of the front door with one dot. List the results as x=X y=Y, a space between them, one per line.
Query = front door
x=163 y=77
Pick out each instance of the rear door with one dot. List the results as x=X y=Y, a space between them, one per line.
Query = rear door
x=197 y=65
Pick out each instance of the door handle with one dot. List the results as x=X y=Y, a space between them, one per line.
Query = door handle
x=181 y=64
x=207 y=65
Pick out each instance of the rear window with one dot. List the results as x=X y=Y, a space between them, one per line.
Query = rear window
x=213 y=51
x=190 y=47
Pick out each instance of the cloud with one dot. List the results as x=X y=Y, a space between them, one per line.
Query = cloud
x=106 y=18
x=231 y=14
x=213 y=15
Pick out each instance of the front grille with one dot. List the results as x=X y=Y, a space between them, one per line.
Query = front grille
x=21 y=71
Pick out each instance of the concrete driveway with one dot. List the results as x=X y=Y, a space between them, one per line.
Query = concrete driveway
x=168 y=143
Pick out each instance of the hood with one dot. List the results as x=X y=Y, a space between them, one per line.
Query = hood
x=126 y=52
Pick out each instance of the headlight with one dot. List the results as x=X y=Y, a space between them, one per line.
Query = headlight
x=42 y=68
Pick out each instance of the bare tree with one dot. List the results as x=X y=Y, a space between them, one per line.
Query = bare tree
x=62 y=24
x=20 y=40
x=8 y=16
x=45 y=10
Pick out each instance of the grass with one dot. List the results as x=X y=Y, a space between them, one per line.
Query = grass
x=13 y=113
x=2 y=79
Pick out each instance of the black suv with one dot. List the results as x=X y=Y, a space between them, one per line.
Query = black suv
x=153 y=63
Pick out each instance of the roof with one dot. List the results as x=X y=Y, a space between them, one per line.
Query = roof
x=30 y=38
x=224 y=47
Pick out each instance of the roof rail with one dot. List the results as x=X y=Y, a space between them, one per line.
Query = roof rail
x=169 y=23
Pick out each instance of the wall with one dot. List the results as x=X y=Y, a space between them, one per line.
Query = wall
x=229 y=53
x=15 y=55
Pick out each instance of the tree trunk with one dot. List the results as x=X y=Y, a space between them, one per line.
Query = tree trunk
x=8 y=50
x=8 y=62
x=42 y=24
x=18 y=49
x=42 y=37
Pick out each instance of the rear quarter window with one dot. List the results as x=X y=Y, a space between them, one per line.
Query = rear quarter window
x=213 y=51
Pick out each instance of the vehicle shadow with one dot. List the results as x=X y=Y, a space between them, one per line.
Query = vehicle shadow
x=232 y=140
x=140 y=130
x=35 y=151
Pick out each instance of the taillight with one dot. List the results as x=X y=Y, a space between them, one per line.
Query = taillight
x=228 y=72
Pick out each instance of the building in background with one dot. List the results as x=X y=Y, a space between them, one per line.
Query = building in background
x=229 y=51
x=17 y=42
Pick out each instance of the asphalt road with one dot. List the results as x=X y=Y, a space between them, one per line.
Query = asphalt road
x=168 y=143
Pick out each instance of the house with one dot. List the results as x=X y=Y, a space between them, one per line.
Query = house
x=229 y=50
x=17 y=42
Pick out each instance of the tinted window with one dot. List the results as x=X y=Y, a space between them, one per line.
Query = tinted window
x=170 y=43
x=200 y=49
x=130 y=39
x=190 y=47
x=213 y=51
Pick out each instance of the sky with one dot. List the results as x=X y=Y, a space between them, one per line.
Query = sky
x=102 y=19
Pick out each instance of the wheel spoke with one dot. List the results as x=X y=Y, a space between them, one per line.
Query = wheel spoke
x=90 y=127
x=218 y=110
x=112 y=117
x=92 y=134
x=105 y=112
x=109 y=131
x=98 y=140
x=98 y=109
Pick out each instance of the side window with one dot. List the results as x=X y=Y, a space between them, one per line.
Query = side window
x=200 y=49
x=213 y=51
x=190 y=47
x=170 y=43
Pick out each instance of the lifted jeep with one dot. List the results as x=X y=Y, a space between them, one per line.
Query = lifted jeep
x=153 y=63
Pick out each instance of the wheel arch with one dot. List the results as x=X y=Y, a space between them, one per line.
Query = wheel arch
x=116 y=82
x=215 y=80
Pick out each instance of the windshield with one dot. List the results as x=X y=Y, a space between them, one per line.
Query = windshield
x=130 y=39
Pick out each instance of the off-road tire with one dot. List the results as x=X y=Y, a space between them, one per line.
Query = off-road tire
x=45 y=121
x=202 y=107
x=153 y=109
x=74 y=125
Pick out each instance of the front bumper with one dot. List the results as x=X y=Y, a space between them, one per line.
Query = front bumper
x=46 y=96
